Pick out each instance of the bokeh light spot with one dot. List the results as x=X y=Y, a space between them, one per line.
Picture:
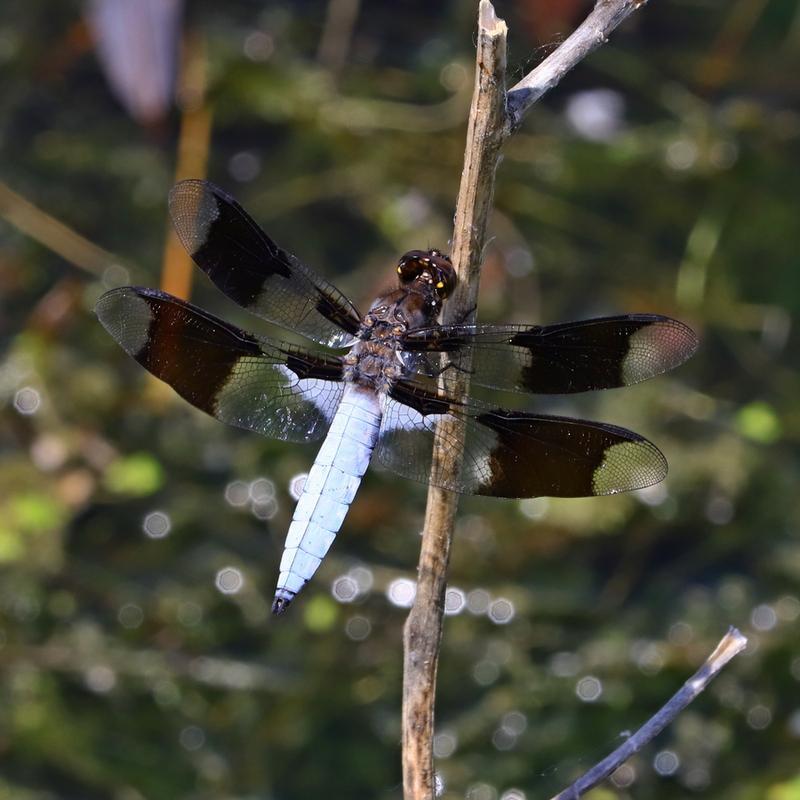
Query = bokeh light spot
x=788 y=608
x=519 y=262
x=454 y=601
x=453 y=76
x=358 y=628
x=192 y=738
x=649 y=656
x=478 y=601
x=763 y=618
x=261 y=489
x=444 y=744
x=486 y=672
x=229 y=580
x=27 y=401
x=501 y=611
x=723 y=154
x=503 y=740
x=401 y=592
x=296 y=485
x=244 y=166
x=697 y=777
x=48 y=452
x=265 y=509
x=481 y=791
x=115 y=275
x=237 y=493
x=258 y=46
x=100 y=678
x=130 y=616
x=681 y=154
x=157 y=524
x=719 y=510
x=681 y=633
x=666 y=763
x=759 y=717
x=589 y=689
x=344 y=589
x=595 y=114
x=623 y=776
x=363 y=577
x=514 y=722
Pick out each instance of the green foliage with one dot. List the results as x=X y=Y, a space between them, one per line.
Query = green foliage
x=138 y=475
x=759 y=422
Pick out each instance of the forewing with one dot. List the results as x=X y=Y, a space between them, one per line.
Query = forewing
x=253 y=271
x=513 y=453
x=561 y=359
x=273 y=388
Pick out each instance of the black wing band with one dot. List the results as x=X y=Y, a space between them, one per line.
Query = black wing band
x=247 y=266
x=512 y=453
x=273 y=388
x=565 y=358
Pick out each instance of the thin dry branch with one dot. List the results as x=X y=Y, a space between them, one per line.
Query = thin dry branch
x=589 y=35
x=177 y=269
x=53 y=233
x=494 y=116
x=730 y=645
x=337 y=33
x=423 y=629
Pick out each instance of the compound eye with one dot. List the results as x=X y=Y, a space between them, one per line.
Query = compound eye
x=406 y=272
x=409 y=268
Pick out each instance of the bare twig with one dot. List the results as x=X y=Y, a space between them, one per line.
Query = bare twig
x=52 y=233
x=494 y=116
x=423 y=630
x=337 y=33
x=730 y=645
x=177 y=269
x=590 y=34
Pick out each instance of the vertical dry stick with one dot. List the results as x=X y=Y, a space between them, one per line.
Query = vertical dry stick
x=195 y=137
x=423 y=628
x=493 y=117
x=337 y=34
x=194 y=141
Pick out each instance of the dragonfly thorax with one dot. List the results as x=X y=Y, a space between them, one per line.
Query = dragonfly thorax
x=372 y=364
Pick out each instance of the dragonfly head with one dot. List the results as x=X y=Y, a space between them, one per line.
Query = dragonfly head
x=428 y=269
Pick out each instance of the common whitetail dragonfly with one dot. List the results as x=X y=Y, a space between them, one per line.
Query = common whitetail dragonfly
x=383 y=392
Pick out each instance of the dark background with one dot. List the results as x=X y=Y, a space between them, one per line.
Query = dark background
x=660 y=176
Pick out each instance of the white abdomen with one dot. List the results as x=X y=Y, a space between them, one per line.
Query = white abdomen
x=330 y=488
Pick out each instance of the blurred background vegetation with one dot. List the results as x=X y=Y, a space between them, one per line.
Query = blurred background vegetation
x=139 y=540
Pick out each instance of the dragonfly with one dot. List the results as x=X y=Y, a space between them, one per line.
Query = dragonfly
x=372 y=386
